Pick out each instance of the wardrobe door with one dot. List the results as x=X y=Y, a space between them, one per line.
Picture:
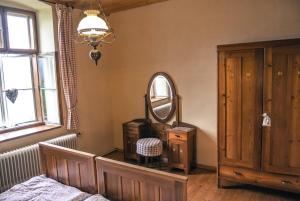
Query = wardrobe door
x=282 y=103
x=240 y=107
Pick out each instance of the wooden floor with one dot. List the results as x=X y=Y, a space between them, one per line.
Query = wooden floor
x=202 y=186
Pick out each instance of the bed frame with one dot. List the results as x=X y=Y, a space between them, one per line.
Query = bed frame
x=69 y=166
x=117 y=181
x=126 y=182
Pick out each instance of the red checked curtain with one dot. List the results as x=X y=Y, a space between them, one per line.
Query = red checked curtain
x=67 y=64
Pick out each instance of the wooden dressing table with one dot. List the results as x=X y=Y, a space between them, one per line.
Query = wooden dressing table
x=179 y=139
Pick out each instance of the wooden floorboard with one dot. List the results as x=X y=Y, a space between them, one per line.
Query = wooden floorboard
x=202 y=186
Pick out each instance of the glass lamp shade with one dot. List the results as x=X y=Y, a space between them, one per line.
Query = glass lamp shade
x=92 y=25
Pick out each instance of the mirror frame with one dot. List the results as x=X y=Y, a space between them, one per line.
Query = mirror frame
x=174 y=100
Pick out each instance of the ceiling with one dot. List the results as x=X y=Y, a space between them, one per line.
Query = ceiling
x=110 y=6
x=25 y=4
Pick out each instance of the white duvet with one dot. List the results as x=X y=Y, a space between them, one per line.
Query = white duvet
x=41 y=188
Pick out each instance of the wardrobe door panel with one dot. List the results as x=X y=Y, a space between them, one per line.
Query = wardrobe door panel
x=241 y=107
x=282 y=139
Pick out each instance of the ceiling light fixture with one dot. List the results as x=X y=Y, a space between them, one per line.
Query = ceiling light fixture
x=94 y=29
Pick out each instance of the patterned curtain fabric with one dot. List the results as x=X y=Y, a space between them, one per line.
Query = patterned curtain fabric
x=67 y=64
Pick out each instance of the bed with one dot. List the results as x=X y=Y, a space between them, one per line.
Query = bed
x=74 y=175
x=122 y=181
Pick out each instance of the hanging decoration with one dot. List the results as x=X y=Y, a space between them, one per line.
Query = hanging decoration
x=94 y=29
x=12 y=95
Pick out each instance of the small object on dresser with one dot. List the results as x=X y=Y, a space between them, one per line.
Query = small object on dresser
x=132 y=132
x=182 y=148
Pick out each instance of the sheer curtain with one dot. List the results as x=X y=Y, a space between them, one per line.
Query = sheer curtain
x=67 y=64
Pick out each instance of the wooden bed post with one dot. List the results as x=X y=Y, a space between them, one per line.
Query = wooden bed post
x=69 y=166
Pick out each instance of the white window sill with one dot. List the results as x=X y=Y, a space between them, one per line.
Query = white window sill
x=28 y=131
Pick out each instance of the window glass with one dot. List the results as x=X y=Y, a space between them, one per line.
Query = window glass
x=48 y=84
x=161 y=88
x=17 y=72
x=20 y=31
x=17 y=75
x=47 y=71
x=2 y=123
x=23 y=110
x=50 y=105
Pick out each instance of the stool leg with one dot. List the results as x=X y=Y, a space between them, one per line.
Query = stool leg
x=159 y=161
x=139 y=157
x=146 y=160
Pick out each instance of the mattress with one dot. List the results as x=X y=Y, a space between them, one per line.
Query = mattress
x=41 y=188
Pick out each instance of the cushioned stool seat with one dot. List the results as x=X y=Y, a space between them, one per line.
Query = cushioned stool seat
x=149 y=147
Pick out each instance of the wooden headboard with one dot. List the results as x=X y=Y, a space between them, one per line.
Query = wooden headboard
x=70 y=167
x=121 y=181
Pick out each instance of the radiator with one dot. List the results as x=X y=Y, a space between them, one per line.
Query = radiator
x=22 y=164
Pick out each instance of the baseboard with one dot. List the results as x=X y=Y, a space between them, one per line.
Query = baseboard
x=109 y=152
x=118 y=149
x=207 y=167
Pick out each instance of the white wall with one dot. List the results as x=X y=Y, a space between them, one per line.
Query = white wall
x=180 y=37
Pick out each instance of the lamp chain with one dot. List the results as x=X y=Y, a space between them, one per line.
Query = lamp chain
x=108 y=24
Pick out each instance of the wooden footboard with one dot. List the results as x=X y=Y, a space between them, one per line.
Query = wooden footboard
x=70 y=167
x=121 y=181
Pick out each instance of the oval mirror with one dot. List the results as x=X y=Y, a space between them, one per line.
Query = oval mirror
x=161 y=97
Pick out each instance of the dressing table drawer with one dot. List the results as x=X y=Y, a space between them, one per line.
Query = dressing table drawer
x=177 y=136
x=132 y=132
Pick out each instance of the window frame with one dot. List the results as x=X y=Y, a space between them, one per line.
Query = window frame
x=6 y=49
x=34 y=53
x=58 y=88
x=3 y=29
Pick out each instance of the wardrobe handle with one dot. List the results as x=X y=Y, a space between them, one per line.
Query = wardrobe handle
x=266 y=120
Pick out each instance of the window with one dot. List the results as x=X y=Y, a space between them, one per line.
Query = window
x=160 y=88
x=28 y=84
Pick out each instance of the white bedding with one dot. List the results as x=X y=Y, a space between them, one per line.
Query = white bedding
x=97 y=197
x=41 y=188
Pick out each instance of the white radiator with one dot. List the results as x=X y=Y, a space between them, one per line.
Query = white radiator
x=22 y=164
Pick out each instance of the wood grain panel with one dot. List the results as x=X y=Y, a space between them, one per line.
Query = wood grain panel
x=280 y=182
x=233 y=107
x=110 y=6
x=70 y=167
x=52 y=169
x=240 y=107
x=62 y=171
x=74 y=175
x=294 y=138
x=122 y=181
x=281 y=141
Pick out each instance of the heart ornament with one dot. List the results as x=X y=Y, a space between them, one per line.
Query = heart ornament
x=12 y=95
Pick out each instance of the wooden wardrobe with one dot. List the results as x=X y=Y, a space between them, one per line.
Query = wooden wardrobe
x=253 y=79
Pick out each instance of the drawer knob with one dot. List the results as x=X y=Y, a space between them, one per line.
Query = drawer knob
x=177 y=136
x=181 y=151
x=284 y=182
x=237 y=173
